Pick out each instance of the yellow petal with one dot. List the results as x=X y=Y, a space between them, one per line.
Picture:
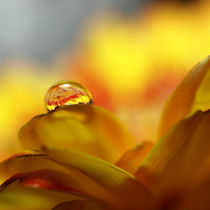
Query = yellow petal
x=82 y=205
x=133 y=157
x=190 y=95
x=181 y=157
x=21 y=162
x=94 y=177
x=121 y=185
x=49 y=179
x=31 y=161
x=87 y=128
x=19 y=197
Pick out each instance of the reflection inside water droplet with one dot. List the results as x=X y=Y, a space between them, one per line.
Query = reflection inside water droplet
x=67 y=93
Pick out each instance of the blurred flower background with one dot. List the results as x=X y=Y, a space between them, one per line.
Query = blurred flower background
x=129 y=54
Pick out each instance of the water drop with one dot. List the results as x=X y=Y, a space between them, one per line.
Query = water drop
x=67 y=93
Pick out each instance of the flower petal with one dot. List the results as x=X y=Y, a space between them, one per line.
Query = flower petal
x=27 y=162
x=190 y=95
x=87 y=128
x=22 y=162
x=181 y=157
x=95 y=177
x=198 y=197
x=133 y=157
x=82 y=205
x=19 y=197
x=122 y=186
x=47 y=179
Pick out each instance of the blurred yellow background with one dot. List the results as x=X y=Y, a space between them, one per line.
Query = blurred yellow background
x=129 y=62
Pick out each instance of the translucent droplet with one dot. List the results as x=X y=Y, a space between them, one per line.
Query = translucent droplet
x=67 y=93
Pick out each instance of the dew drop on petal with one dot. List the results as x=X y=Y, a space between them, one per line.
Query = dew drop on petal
x=67 y=93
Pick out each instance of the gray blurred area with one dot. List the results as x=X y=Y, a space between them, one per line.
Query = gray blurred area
x=41 y=29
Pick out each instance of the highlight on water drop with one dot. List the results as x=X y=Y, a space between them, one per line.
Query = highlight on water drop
x=67 y=93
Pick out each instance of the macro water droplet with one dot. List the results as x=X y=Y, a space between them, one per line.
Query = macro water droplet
x=67 y=93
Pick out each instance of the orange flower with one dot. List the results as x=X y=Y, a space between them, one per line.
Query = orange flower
x=138 y=61
x=82 y=157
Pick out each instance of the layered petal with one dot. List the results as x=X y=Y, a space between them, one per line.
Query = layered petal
x=181 y=158
x=16 y=196
x=190 y=95
x=132 y=158
x=49 y=179
x=26 y=165
x=84 y=127
x=79 y=174
x=122 y=186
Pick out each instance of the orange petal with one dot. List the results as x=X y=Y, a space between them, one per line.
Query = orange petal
x=19 y=197
x=181 y=157
x=87 y=128
x=82 y=205
x=29 y=161
x=94 y=177
x=22 y=162
x=49 y=179
x=190 y=95
x=198 y=197
x=132 y=158
x=121 y=185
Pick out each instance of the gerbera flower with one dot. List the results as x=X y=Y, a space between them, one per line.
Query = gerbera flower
x=81 y=157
